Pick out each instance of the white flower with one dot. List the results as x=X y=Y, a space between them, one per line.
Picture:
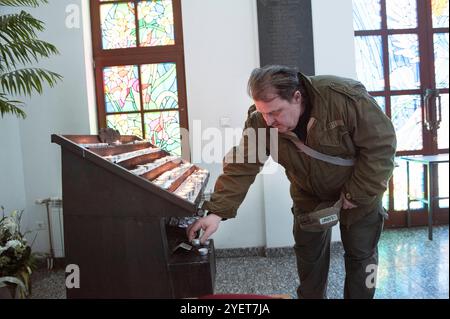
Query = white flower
x=10 y=225
x=13 y=243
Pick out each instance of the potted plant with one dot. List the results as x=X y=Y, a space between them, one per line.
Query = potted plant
x=16 y=259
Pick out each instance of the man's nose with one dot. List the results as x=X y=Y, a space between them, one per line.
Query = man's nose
x=269 y=119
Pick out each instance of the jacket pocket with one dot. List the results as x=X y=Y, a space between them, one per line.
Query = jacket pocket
x=332 y=143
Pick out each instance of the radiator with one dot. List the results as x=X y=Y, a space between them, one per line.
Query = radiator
x=55 y=229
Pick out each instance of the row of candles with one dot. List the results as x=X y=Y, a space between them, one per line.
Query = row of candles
x=125 y=156
x=144 y=168
x=115 y=143
x=190 y=188
x=166 y=179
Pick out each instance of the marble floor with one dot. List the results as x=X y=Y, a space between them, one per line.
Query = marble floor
x=411 y=267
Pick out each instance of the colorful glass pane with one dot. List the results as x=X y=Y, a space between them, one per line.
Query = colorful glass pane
x=441 y=59
x=416 y=184
x=366 y=15
x=407 y=120
x=121 y=88
x=163 y=130
x=118 y=25
x=443 y=184
x=440 y=13
x=401 y=14
x=369 y=62
x=159 y=86
x=443 y=127
x=404 y=61
x=381 y=100
x=156 y=26
x=126 y=124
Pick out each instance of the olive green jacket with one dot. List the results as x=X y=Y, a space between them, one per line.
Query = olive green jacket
x=345 y=122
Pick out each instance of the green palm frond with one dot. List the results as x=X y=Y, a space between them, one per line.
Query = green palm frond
x=20 y=46
x=10 y=106
x=27 y=81
x=22 y=3
x=19 y=26
x=27 y=51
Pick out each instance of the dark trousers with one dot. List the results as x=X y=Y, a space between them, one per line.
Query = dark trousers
x=360 y=242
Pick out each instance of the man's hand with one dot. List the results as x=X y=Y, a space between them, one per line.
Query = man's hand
x=209 y=224
x=346 y=204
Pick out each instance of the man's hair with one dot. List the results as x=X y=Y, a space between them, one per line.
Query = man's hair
x=280 y=80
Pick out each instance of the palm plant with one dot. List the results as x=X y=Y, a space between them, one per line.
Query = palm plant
x=19 y=49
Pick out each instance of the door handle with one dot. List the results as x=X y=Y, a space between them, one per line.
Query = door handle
x=439 y=107
x=432 y=123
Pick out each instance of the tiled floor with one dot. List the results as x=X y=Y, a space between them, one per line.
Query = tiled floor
x=411 y=266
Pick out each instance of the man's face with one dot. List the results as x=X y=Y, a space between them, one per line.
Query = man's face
x=279 y=113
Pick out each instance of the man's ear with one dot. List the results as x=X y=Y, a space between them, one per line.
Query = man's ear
x=297 y=96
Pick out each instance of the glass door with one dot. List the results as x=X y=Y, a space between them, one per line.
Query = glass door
x=402 y=58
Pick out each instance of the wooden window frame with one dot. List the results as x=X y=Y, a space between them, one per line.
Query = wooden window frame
x=424 y=24
x=138 y=56
x=427 y=70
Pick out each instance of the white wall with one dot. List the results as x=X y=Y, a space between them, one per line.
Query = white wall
x=334 y=49
x=12 y=188
x=221 y=49
x=62 y=110
x=278 y=203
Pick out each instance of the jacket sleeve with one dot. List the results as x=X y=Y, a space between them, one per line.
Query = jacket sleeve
x=374 y=138
x=240 y=167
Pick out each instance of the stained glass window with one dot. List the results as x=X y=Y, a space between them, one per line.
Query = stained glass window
x=156 y=23
x=407 y=119
x=163 y=130
x=366 y=14
x=388 y=62
x=155 y=20
x=159 y=86
x=440 y=13
x=443 y=127
x=369 y=62
x=404 y=61
x=118 y=25
x=417 y=189
x=401 y=14
x=139 y=57
x=126 y=124
x=441 y=59
x=122 y=88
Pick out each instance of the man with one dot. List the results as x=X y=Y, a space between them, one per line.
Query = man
x=336 y=118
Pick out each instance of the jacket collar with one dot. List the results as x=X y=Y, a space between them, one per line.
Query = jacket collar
x=315 y=102
x=315 y=97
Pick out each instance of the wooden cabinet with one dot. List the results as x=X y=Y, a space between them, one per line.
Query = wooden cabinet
x=125 y=205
